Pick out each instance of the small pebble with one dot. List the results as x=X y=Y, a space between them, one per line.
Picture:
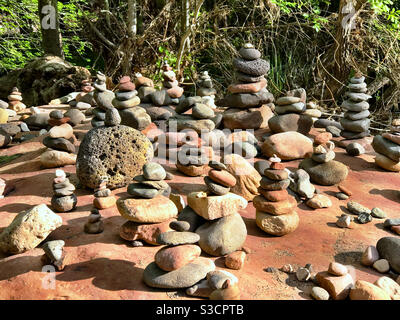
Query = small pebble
x=341 y=196
x=270 y=269
x=180 y=225
x=378 y=213
x=137 y=243
x=381 y=265
x=288 y=268
x=344 y=221
x=319 y=293
x=364 y=218
x=303 y=274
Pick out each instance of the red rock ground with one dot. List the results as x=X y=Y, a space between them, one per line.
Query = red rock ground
x=104 y=266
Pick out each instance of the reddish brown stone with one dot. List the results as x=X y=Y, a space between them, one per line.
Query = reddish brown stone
x=275 y=208
x=58 y=122
x=275 y=196
x=132 y=231
x=104 y=203
x=222 y=177
x=248 y=87
x=235 y=260
x=323 y=138
x=173 y=258
x=345 y=190
x=338 y=287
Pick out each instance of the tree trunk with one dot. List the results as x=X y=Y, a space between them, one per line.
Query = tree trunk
x=185 y=19
x=50 y=26
x=132 y=18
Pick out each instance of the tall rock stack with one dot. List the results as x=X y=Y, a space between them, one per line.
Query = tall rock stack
x=103 y=98
x=356 y=122
x=61 y=151
x=15 y=100
x=322 y=167
x=127 y=101
x=148 y=209
x=64 y=199
x=387 y=148
x=249 y=101
x=290 y=110
x=206 y=90
x=177 y=265
x=275 y=208
x=95 y=224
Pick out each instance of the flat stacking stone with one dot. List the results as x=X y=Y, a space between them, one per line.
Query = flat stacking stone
x=287 y=100
x=217 y=165
x=132 y=231
x=277 y=175
x=354 y=135
x=358 y=97
x=298 y=107
x=261 y=166
x=59 y=144
x=275 y=208
x=392 y=137
x=387 y=148
x=222 y=236
x=184 y=277
x=386 y=163
x=355 y=126
x=214 y=207
x=180 y=225
x=248 y=87
x=357 y=79
x=272 y=185
x=355 y=106
x=159 y=185
x=327 y=174
x=154 y=210
x=275 y=196
x=253 y=68
x=248 y=78
x=142 y=191
x=127 y=95
x=356 y=115
x=215 y=188
x=248 y=100
x=251 y=118
x=323 y=157
x=174 y=238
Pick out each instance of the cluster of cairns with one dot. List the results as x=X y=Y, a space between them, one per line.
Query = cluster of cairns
x=219 y=181
x=356 y=122
x=387 y=148
x=60 y=147
x=202 y=116
x=292 y=113
x=103 y=98
x=275 y=208
x=64 y=199
x=15 y=100
x=127 y=102
x=249 y=101
x=322 y=167
x=149 y=206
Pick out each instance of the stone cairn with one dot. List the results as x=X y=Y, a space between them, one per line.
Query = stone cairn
x=193 y=161
x=275 y=208
x=291 y=113
x=144 y=87
x=84 y=100
x=61 y=151
x=103 y=199
x=387 y=148
x=171 y=92
x=206 y=90
x=149 y=211
x=95 y=224
x=103 y=98
x=127 y=102
x=15 y=100
x=57 y=118
x=322 y=167
x=168 y=144
x=177 y=265
x=219 y=181
x=242 y=143
x=249 y=101
x=356 y=122
x=54 y=254
x=64 y=199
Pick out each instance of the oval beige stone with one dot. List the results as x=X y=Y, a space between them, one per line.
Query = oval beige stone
x=364 y=290
x=54 y=158
x=277 y=225
x=386 y=163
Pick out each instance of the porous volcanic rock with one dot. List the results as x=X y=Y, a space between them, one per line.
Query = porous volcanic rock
x=115 y=153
